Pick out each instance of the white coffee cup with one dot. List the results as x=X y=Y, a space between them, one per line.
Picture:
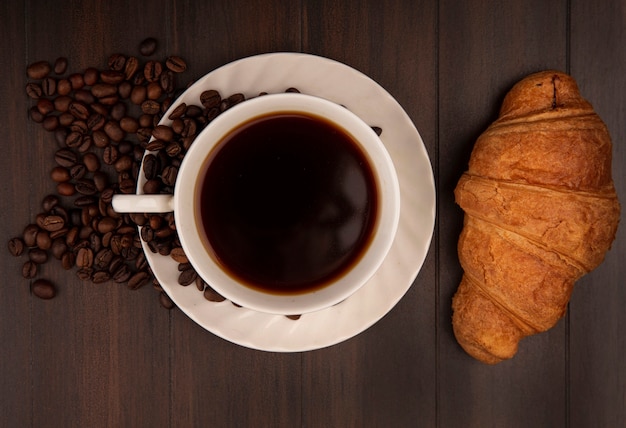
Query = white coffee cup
x=185 y=205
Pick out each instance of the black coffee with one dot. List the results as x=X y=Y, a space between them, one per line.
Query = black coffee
x=288 y=203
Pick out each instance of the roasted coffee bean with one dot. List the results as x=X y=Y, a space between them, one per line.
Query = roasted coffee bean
x=138 y=280
x=95 y=242
x=154 y=90
x=121 y=274
x=79 y=126
x=64 y=87
x=65 y=119
x=16 y=246
x=86 y=97
x=68 y=260
x=168 y=175
x=176 y=64
x=76 y=80
x=91 y=161
x=100 y=90
x=116 y=61
x=84 y=273
x=85 y=186
x=29 y=269
x=66 y=189
x=44 y=242
x=148 y=46
x=43 y=289
x=84 y=257
x=50 y=123
x=187 y=277
x=37 y=255
x=45 y=106
x=74 y=139
x=138 y=94
x=58 y=248
x=72 y=235
x=163 y=132
x=34 y=90
x=124 y=89
x=95 y=121
x=150 y=166
x=66 y=158
x=77 y=172
x=49 y=86
x=211 y=295
x=150 y=107
x=131 y=67
x=165 y=301
x=107 y=224
x=59 y=233
x=38 y=70
x=167 y=82
x=60 y=174
x=79 y=110
x=52 y=223
x=103 y=258
x=91 y=76
x=152 y=71
x=210 y=98
x=110 y=155
x=123 y=163
x=35 y=115
x=129 y=124
x=113 y=131
x=100 y=139
x=179 y=256
x=49 y=202
x=60 y=65
x=101 y=180
x=62 y=103
x=100 y=276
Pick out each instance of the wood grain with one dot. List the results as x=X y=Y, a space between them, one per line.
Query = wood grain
x=103 y=355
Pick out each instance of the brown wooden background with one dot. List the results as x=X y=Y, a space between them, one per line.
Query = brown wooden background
x=104 y=356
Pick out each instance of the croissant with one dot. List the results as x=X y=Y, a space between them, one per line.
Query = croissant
x=540 y=212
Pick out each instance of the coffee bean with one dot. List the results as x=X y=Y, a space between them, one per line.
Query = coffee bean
x=86 y=186
x=154 y=90
x=34 y=90
x=44 y=242
x=16 y=246
x=152 y=71
x=76 y=80
x=84 y=258
x=168 y=175
x=38 y=70
x=107 y=224
x=165 y=301
x=58 y=248
x=64 y=87
x=138 y=280
x=187 y=277
x=37 y=255
x=77 y=172
x=35 y=115
x=50 y=123
x=148 y=46
x=45 y=106
x=211 y=295
x=29 y=269
x=131 y=67
x=176 y=64
x=84 y=96
x=163 y=132
x=79 y=110
x=167 y=82
x=116 y=61
x=84 y=273
x=150 y=107
x=179 y=256
x=60 y=174
x=43 y=289
x=62 y=103
x=66 y=158
x=52 y=223
x=100 y=90
x=60 y=65
x=66 y=189
x=100 y=139
x=49 y=86
x=100 y=277
x=68 y=260
x=129 y=124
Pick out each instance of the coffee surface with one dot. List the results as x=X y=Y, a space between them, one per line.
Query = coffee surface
x=288 y=203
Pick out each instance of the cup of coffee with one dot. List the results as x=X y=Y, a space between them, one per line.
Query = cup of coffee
x=284 y=203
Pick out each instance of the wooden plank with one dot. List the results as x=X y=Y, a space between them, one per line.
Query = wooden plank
x=16 y=326
x=386 y=375
x=214 y=382
x=97 y=350
x=484 y=49
x=597 y=318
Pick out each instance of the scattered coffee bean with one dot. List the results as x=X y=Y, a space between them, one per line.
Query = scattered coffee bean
x=43 y=289
x=148 y=46
x=16 y=246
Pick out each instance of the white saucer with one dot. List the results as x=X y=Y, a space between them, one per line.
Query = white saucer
x=340 y=83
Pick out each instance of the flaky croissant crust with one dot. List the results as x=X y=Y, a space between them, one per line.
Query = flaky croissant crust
x=540 y=212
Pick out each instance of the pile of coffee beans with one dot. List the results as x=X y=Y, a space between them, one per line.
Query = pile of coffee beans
x=102 y=121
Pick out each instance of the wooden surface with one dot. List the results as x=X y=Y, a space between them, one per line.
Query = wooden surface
x=105 y=356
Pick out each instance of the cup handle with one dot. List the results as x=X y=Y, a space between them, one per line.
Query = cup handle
x=143 y=203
